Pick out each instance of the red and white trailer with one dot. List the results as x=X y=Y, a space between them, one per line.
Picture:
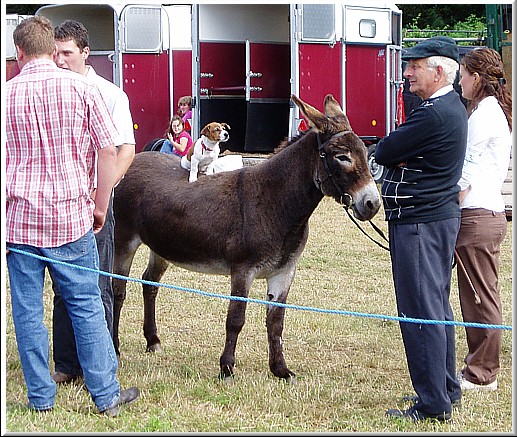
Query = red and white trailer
x=241 y=62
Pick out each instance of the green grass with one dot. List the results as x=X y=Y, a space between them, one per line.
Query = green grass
x=349 y=369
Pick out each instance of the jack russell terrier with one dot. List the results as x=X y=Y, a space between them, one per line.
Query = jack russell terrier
x=202 y=156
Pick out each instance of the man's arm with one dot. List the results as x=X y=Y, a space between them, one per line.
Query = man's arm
x=106 y=166
x=125 y=155
x=404 y=142
x=126 y=138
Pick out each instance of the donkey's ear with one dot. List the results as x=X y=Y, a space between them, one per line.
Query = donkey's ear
x=315 y=117
x=333 y=109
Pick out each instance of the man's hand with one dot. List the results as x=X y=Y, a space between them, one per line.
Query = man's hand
x=99 y=217
x=463 y=193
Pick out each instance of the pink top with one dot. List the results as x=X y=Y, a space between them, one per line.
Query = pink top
x=183 y=134
x=55 y=122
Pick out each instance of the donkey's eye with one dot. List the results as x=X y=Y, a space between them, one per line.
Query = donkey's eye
x=343 y=158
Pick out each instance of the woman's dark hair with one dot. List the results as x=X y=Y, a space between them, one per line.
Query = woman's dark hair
x=488 y=64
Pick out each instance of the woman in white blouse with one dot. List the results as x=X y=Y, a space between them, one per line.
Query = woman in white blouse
x=483 y=218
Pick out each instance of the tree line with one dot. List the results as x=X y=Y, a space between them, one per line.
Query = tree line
x=438 y=16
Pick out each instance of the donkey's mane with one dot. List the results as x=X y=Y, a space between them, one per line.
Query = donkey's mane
x=287 y=142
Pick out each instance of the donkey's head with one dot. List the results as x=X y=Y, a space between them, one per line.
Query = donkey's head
x=342 y=171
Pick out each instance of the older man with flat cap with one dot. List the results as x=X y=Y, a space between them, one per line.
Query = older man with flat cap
x=424 y=157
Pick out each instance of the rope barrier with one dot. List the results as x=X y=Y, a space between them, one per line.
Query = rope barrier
x=271 y=303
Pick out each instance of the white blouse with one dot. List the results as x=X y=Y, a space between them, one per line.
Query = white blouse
x=487 y=158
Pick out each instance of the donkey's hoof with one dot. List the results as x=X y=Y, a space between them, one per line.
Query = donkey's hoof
x=226 y=374
x=291 y=379
x=154 y=348
x=228 y=380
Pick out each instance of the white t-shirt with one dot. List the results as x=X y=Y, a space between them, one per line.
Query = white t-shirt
x=118 y=104
x=487 y=158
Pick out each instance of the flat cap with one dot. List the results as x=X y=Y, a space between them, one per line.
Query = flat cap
x=435 y=46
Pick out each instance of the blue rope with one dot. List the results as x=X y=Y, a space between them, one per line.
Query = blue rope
x=279 y=304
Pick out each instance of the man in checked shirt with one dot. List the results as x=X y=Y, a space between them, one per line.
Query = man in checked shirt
x=56 y=121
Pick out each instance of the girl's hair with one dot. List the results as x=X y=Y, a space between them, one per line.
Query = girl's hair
x=488 y=64
x=174 y=118
x=185 y=100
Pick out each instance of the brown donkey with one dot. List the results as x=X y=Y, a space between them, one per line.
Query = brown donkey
x=247 y=223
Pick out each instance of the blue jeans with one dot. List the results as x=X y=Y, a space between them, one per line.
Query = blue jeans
x=168 y=148
x=65 y=351
x=80 y=291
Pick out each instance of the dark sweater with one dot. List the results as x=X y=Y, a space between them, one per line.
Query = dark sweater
x=431 y=147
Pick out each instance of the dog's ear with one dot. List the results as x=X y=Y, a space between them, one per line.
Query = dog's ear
x=226 y=126
x=206 y=131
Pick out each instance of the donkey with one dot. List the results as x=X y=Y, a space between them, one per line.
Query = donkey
x=247 y=223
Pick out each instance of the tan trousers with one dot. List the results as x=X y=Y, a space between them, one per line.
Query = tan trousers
x=478 y=249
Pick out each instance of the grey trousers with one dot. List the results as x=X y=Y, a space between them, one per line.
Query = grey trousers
x=478 y=249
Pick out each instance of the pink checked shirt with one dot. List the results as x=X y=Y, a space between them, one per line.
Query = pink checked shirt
x=55 y=121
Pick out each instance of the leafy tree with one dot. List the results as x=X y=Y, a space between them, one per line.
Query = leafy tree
x=25 y=9
x=471 y=29
x=439 y=16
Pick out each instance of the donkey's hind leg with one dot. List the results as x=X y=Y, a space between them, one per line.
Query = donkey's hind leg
x=154 y=272
x=278 y=289
x=125 y=249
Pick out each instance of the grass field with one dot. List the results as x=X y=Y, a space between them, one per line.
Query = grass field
x=349 y=369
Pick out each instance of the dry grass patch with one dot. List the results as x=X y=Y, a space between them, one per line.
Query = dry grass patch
x=350 y=369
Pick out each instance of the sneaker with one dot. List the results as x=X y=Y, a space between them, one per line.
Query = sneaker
x=465 y=384
x=416 y=415
x=127 y=396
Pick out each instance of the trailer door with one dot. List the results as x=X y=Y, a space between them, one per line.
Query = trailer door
x=267 y=95
x=145 y=71
x=242 y=71
x=222 y=86
x=365 y=73
x=316 y=58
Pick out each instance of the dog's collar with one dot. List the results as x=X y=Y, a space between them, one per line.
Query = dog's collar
x=203 y=147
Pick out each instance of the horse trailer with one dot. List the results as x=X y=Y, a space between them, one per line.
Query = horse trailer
x=241 y=62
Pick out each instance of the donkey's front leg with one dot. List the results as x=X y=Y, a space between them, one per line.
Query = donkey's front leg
x=119 y=296
x=154 y=272
x=278 y=289
x=235 y=318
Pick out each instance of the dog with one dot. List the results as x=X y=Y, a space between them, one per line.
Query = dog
x=201 y=157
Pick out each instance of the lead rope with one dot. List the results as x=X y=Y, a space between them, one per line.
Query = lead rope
x=374 y=226
x=349 y=201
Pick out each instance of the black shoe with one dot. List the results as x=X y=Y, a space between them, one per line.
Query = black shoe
x=127 y=396
x=63 y=378
x=417 y=415
x=456 y=403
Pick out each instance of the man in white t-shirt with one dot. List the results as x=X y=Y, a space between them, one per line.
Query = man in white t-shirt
x=73 y=49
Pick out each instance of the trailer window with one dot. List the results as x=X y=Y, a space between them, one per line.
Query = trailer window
x=367 y=28
x=318 y=22
x=396 y=28
x=11 y=25
x=143 y=29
